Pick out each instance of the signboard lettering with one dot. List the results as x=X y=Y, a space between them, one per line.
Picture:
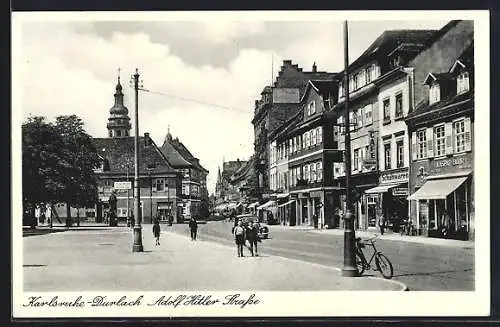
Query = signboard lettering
x=400 y=191
x=401 y=176
x=123 y=185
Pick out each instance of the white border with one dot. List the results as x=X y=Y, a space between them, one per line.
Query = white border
x=475 y=303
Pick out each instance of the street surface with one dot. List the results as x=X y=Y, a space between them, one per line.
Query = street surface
x=91 y=259
x=422 y=267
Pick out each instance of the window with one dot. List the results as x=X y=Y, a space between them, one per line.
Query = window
x=308 y=140
x=185 y=189
x=352 y=120
x=387 y=110
x=434 y=94
x=319 y=171
x=368 y=74
x=306 y=172
x=459 y=136
x=319 y=135
x=297 y=141
x=463 y=82
x=421 y=144
x=341 y=90
x=387 y=156
x=351 y=83
x=439 y=139
x=159 y=184
x=294 y=145
x=313 y=172
x=313 y=137
x=359 y=80
x=359 y=118
x=399 y=105
x=312 y=108
x=290 y=146
x=355 y=160
x=368 y=114
x=400 y=153
x=375 y=72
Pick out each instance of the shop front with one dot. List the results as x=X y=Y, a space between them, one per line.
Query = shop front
x=388 y=199
x=443 y=199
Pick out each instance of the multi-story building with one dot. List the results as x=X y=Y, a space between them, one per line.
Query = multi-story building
x=308 y=146
x=442 y=154
x=194 y=178
x=396 y=99
x=225 y=191
x=278 y=103
x=367 y=75
x=159 y=182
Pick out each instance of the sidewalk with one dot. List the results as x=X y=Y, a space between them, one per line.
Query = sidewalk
x=90 y=260
x=387 y=236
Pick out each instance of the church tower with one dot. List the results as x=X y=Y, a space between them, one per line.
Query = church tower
x=118 y=121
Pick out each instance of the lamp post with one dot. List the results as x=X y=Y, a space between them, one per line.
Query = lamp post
x=349 y=269
x=137 y=247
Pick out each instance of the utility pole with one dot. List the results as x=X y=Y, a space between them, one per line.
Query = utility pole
x=137 y=247
x=349 y=269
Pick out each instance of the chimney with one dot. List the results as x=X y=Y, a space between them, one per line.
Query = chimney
x=147 y=140
x=287 y=62
x=315 y=68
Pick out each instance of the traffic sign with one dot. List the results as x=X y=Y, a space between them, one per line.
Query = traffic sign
x=123 y=185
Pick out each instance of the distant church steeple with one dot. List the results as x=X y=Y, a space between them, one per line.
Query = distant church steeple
x=118 y=121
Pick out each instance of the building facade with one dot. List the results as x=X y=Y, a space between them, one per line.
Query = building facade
x=442 y=162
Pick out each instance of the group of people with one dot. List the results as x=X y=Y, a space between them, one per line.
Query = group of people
x=249 y=233
x=193 y=227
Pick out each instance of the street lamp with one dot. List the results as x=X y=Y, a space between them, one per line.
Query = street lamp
x=349 y=269
x=137 y=247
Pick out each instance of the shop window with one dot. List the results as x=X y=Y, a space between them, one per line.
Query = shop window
x=400 y=153
x=387 y=156
x=463 y=83
x=459 y=136
x=387 y=110
x=439 y=140
x=421 y=144
x=399 y=105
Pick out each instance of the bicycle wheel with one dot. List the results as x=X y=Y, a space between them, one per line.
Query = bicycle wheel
x=384 y=265
x=359 y=264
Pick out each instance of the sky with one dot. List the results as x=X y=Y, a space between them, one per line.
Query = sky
x=71 y=67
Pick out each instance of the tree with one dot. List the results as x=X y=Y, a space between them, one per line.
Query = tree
x=42 y=177
x=80 y=160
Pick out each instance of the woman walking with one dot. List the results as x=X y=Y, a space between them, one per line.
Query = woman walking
x=239 y=237
x=156 y=231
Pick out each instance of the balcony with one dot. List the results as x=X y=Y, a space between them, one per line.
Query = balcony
x=305 y=151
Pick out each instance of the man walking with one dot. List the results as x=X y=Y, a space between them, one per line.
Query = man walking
x=193 y=226
x=239 y=237
x=253 y=237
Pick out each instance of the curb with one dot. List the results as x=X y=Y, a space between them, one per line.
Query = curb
x=403 y=286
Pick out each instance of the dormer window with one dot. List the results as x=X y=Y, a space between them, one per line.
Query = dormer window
x=463 y=83
x=312 y=108
x=434 y=94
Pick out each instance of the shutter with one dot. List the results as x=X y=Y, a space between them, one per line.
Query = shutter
x=468 y=134
x=448 y=133
x=430 y=140
x=413 y=146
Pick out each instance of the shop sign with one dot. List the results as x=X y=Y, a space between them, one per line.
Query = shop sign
x=370 y=163
x=400 y=191
x=451 y=164
x=394 y=177
x=123 y=185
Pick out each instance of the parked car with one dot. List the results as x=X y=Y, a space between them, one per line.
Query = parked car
x=263 y=228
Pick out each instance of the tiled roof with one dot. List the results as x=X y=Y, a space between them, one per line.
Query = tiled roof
x=438 y=77
x=408 y=47
x=390 y=40
x=423 y=107
x=119 y=153
x=325 y=88
x=186 y=154
x=173 y=156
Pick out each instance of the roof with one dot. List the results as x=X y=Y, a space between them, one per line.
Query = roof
x=466 y=59
x=408 y=47
x=322 y=87
x=119 y=153
x=186 y=154
x=283 y=128
x=424 y=108
x=174 y=157
x=437 y=77
x=390 y=40
x=244 y=170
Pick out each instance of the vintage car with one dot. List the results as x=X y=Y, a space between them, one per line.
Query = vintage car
x=263 y=228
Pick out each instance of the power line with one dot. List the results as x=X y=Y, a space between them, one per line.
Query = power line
x=195 y=101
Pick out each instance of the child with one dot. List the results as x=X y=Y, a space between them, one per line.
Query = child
x=156 y=231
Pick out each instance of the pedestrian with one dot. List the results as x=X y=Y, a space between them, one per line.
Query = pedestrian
x=252 y=235
x=239 y=237
x=156 y=231
x=381 y=224
x=193 y=226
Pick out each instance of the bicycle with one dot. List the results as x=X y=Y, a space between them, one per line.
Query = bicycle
x=382 y=263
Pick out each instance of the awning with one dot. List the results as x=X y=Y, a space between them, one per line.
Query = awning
x=250 y=206
x=382 y=188
x=282 y=195
x=265 y=205
x=286 y=203
x=437 y=189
